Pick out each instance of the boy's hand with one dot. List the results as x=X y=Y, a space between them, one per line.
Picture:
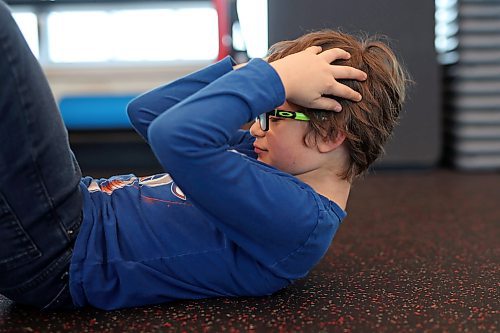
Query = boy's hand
x=308 y=76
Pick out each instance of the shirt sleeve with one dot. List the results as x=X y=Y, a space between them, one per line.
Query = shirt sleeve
x=268 y=213
x=242 y=141
x=145 y=108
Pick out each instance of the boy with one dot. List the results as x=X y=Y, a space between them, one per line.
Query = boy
x=237 y=213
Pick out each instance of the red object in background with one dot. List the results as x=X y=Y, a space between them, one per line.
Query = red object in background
x=223 y=19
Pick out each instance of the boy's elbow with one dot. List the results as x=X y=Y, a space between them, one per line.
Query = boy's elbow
x=160 y=136
x=155 y=135
x=133 y=109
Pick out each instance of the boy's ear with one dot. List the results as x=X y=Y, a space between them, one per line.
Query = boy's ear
x=326 y=145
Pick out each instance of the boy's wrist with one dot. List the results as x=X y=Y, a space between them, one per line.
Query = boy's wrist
x=245 y=63
x=240 y=65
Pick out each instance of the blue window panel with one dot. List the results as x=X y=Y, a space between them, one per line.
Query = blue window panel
x=95 y=112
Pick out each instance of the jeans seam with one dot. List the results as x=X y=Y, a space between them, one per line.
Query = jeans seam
x=33 y=251
x=60 y=261
x=56 y=298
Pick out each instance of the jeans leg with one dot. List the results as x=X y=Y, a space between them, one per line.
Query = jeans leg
x=40 y=199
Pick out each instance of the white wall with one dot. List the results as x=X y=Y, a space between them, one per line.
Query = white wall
x=112 y=80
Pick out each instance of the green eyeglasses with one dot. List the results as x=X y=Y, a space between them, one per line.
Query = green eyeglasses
x=263 y=119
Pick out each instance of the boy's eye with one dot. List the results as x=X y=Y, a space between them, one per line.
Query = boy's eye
x=274 y=119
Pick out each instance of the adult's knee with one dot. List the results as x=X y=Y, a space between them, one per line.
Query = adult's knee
x=7 y=22
x=4 y=11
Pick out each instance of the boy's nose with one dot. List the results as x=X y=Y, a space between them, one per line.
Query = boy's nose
x=256 y=131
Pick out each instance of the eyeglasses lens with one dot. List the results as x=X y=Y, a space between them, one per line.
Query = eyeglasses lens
x=263 y=121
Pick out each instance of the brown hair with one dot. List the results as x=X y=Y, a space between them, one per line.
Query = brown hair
x=369 y=123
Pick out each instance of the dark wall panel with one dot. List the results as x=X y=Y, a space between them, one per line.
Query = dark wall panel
x=410 y=27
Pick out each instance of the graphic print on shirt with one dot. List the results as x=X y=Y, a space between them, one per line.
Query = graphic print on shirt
x=119 y=182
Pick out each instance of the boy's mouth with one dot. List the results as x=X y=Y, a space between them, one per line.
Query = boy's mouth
x=258 y=149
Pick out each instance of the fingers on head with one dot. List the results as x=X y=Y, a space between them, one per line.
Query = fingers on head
x=346 y=92
x=314 y=49
x=347 y=72
x=351 y=94
x=336 y=53
x=327 y=103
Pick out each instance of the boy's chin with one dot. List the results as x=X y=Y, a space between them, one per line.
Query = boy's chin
x=263 y=160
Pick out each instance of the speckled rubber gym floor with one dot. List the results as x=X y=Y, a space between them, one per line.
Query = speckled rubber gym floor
x=418 y=252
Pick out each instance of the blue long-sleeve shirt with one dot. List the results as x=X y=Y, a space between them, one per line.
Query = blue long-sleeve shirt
x=219 y=222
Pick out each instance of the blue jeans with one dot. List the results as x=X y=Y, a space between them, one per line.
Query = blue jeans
x=40 y=198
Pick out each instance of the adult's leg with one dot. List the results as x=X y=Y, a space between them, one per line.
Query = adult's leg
x=40 y=199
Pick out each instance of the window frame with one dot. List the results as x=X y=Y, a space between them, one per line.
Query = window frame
x=43 y=9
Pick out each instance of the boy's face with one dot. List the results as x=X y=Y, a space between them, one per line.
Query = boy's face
x=282 y=146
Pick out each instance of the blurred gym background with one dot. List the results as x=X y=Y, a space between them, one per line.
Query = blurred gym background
x=418 y=251
x=100 y=54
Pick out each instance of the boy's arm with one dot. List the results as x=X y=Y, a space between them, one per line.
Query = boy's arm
x=271 y=215
x=266 y=212
x=242 y=141
x=145 y=108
